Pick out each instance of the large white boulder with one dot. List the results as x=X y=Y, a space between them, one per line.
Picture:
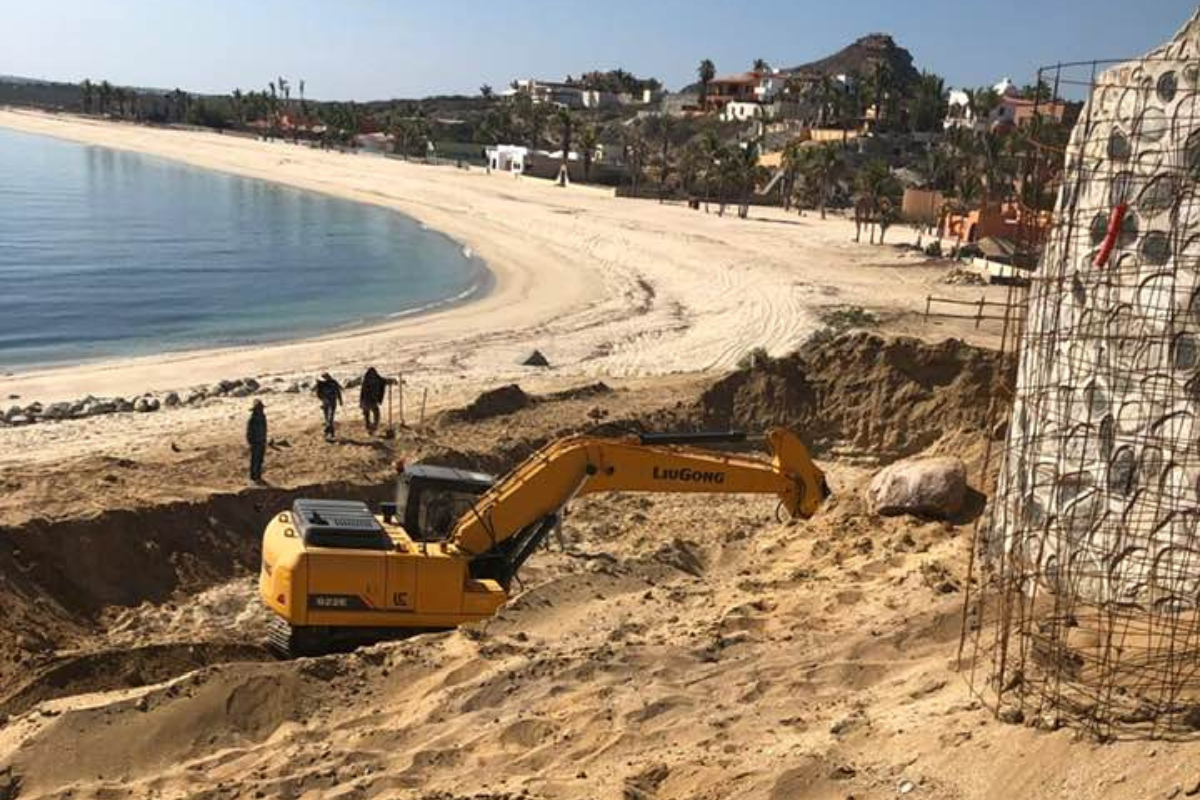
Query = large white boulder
x=928 y=487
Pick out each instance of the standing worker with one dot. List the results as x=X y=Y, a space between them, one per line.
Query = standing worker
x=370 y=397
x=329 y=392
x=256 y=437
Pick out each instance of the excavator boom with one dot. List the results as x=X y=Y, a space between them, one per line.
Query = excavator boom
x=578 y=465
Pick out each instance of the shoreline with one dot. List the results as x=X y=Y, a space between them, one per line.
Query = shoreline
x=602 y=286
x=504 y=282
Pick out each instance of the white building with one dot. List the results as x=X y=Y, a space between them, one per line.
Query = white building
x=594 y=98
x=959 y=114
x=744 y=110
x=559 y=94
x=507 y=158
x=769 y=85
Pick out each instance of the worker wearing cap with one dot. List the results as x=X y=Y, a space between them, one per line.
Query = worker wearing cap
x=256 y=437
x=329 y=392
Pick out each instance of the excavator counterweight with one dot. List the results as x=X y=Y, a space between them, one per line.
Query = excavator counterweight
x=445 y=553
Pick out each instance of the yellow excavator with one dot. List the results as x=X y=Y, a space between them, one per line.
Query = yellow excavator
x=447 y=550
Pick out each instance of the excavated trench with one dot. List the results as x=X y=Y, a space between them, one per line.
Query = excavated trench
x=134 y=597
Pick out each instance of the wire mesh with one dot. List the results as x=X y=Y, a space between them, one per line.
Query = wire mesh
x=1087 y=610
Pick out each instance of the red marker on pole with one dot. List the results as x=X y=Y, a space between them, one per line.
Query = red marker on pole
x=1110 y=239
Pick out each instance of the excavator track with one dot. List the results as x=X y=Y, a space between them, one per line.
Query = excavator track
x=287 y=642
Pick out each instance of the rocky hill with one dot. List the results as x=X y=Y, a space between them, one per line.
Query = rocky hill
x=862 y=57
x=859 y=57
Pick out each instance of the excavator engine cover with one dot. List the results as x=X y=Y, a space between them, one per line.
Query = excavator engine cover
x=342 y=524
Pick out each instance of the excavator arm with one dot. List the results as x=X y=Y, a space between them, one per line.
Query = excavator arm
x=511 y=517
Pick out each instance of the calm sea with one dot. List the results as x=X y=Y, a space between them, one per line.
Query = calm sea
x=105 y=253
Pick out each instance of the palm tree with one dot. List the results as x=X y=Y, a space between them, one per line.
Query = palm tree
x=821 y=169
x=794 y=154
x=882 y=91
x=565 y=121
x=588 y=141
x=744 y=171
x=635 y=154
x=878 y=193
x=928 y=103
x=498 y=126
x=238 y=101
x=826 y=99
x=273 y=106
x=712 y=151
x=105 y=96
x=485 y=91
x=849 y=107
x=761 y=65
x=983 y=101
x=662 y=130
x=180 y=101
x=706 y=72
x=89 y=93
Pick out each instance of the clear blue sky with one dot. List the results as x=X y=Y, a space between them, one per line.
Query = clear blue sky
x=375 y=49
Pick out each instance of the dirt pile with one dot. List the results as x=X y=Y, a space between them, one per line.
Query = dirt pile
x=493 y=403
x=510 y=399
x=863 y=394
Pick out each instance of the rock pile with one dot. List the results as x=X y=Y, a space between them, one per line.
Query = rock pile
x=958 y=276
x=147 y=403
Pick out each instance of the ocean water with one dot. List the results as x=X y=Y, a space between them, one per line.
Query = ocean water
x=105 y=253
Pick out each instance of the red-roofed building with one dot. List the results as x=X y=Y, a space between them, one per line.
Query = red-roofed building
x=740 y=88
x=1016 y=112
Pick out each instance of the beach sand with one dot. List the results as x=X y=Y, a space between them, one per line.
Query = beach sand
x=602 y=286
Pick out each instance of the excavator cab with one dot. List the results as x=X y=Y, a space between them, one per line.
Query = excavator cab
x=431 y=499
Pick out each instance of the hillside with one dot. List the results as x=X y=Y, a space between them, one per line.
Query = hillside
x=862 y=56
x=857 y=58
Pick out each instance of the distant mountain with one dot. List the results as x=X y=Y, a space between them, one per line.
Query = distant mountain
x=859 y=57
x=27 y=81
x=862 y=58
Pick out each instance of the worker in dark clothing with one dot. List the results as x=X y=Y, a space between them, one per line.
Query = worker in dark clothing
x=256 y=437
x=329 y=392
x=370 y=397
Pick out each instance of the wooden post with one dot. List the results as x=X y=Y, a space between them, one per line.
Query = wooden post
x=424 y=396
x=979 y=316
x=400 y=396
x=928 y=303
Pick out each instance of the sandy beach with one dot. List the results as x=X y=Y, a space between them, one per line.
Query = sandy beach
x=602 y=286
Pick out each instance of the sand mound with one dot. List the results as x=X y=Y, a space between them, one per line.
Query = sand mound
x=863 y=393
x=122 y=669
x=493 y=403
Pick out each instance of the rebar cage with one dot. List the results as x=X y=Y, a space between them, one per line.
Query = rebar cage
x=1086 y=572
